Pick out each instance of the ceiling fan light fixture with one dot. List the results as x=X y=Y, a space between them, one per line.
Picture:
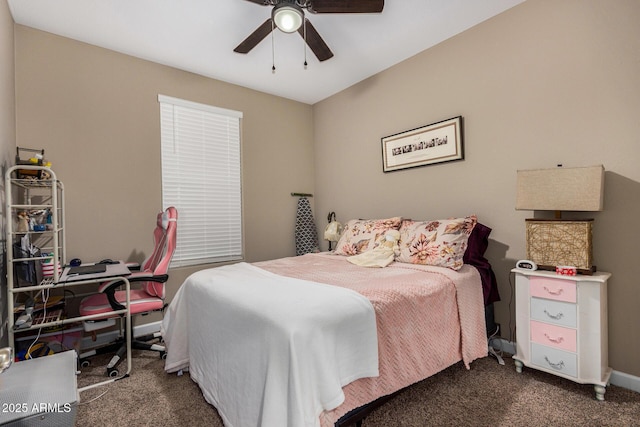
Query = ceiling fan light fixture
x=288 y=17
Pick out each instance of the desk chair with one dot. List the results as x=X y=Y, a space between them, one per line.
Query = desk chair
x=152 y=275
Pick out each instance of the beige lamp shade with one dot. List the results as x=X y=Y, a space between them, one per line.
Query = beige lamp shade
x=552 y=243
x=561 y=189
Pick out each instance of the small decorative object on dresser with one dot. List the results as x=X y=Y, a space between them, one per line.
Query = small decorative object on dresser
x=561 y=326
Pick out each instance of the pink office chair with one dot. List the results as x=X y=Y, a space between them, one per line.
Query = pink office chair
x=152 y=275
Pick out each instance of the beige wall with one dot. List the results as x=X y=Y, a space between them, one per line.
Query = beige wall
x=546 y=82
x=7 y=134
x=96 y=114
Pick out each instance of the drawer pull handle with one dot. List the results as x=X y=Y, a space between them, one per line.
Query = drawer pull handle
x=559 y=366
x=554 y=316
x=554 y=340
x=558 y=292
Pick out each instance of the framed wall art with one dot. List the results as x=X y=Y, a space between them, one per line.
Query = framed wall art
x=427 y=145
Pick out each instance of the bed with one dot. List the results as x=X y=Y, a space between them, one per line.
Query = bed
x=306 y=340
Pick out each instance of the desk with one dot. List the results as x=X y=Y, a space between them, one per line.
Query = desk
x=41 y=391
x=113 y=272
x=118 y=269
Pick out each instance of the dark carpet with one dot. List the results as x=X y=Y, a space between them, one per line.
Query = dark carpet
x=486 y=395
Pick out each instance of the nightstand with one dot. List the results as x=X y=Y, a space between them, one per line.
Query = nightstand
x=561 y=326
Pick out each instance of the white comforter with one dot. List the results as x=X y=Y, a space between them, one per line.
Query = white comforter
x=265 y=349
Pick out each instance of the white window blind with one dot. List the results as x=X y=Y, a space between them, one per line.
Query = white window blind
x=201 y=177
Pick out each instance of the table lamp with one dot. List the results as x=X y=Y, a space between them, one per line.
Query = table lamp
x=561 y=242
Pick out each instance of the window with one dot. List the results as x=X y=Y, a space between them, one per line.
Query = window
x=201 y=178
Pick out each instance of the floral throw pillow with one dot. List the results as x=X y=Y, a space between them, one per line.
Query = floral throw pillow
x=361 y=236
x=441 y=243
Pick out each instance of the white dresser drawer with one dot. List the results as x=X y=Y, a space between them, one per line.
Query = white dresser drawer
x=556 y=312
x=554 y=359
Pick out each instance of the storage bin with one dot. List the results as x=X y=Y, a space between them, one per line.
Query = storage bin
x=69 y=338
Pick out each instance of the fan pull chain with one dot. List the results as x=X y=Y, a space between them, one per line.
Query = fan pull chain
x=304 y=30
x=273 y=48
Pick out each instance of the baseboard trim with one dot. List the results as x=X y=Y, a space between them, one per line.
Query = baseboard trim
x=110 y=336
x=628 y=381
x=619 y=379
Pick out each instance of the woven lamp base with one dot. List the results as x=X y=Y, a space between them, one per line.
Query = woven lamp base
x=551 y=243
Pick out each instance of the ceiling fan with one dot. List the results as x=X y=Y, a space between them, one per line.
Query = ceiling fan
x=288 y=16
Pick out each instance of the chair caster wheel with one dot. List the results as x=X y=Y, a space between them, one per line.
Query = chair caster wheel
x=112 y=372
x=163 y=355
x=85 y=363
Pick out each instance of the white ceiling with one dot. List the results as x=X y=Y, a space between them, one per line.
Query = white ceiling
x=199 y=36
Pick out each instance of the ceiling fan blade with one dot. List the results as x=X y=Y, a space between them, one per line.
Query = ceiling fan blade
x=315 y=42
x=346 y=6
x=261 y=2
x=254 y=38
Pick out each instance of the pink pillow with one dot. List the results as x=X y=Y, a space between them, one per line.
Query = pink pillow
x=361 y=235
x=441 y=243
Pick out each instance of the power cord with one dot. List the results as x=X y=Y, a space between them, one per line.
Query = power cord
x=500 y=351
x=45 y=299
x=492 y=351
x=94 y=399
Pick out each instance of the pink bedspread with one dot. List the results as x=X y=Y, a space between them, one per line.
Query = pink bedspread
x=428 y=318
